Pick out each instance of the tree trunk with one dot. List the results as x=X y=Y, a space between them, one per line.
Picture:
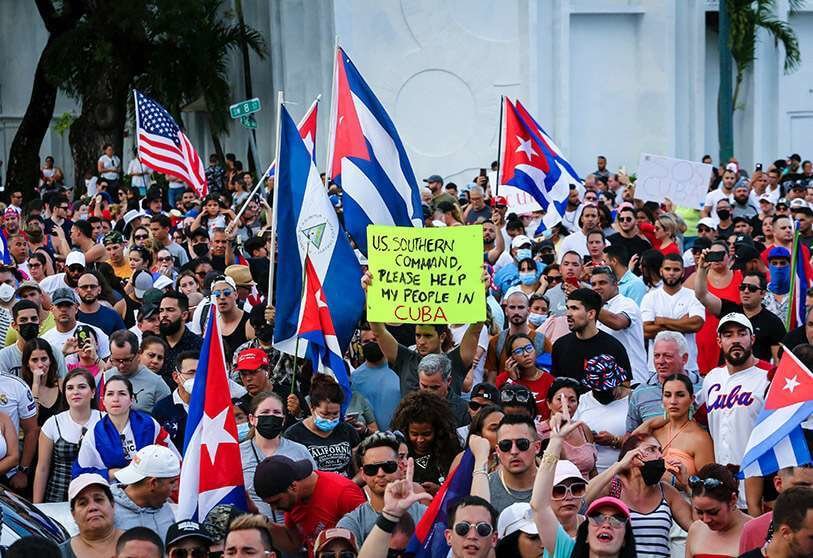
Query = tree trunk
x=24 y=164
x=725 y=106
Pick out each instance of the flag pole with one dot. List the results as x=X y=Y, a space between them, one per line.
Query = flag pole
x=499 y=148
x=271 y=252
x=791 y=292
x=331 y=130
x=301 y=296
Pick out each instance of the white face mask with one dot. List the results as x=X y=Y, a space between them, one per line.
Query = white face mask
x=188 y=385
x=6 y=292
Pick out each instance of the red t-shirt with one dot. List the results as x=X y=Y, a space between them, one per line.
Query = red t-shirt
x=332 y=498
x=539 y=388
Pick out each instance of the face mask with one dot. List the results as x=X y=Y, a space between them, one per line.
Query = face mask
x=527 y=277
x=372 y=352
x=536 y=319
x=652 y=471
x=200 y=250
x=29 y=331
x=269 y=426
x=780 y=279
x=523 y=254
x=723 y=214
x=604 y=397
x=6 y=292
x=83 y=215
x=188 y=385
x=242 y=431
x=548 y=259
x=325 y=425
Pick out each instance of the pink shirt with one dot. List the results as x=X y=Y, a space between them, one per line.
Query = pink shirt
x=754 y=532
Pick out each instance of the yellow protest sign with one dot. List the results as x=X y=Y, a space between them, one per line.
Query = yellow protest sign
x=426 y=276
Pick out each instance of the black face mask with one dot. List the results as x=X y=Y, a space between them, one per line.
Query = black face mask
x=29 y=331
x=265 y=333
x=372 y=352
x=723 y=214
x=548 y=259
x=200 y=249
x=269 y=426
x=171 y=328
x=604 y=397
x=652 y=471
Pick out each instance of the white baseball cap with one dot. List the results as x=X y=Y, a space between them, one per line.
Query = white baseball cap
x=735 y=318
x=84 y=480
x=707 y=222
x=162 y=282
x=150 y=461
x=75 y=258
x=766 y=197
x=516 y=517
x=521 y=240
x=566 y=470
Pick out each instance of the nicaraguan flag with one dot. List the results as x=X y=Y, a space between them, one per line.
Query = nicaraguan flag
x=212 y=471
x=367 y=158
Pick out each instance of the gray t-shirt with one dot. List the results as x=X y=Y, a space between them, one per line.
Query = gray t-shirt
x=502 y=498
x=361 y=520
x=558 y=299
x=148 y=387
x=11 y=361
x=252 y=455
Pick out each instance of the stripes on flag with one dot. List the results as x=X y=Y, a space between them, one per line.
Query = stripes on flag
x=777 y=441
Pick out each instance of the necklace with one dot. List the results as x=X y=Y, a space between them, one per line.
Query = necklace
x=512 y=493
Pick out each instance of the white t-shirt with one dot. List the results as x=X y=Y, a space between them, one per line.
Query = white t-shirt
x=657 y=303
x=632 y=337
x=54 y=282
x=108 y=162
x=69 y=430
x=11 y=361
x=610 y=418
x=574 y=242
x=16 y=399
x=711 y=201
x=457 y=335
x=91 y=185
x=57 y=339
x=138 y=181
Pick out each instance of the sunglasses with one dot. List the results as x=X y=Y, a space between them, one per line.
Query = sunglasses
x=615 y=521
x=399 y=553
x=526 y=350
x=553 y=279
x=750 y=288
x=626 y=219
x=197 y=552
x=577 y=490
x=336 y=554
x=389 y=468
x=522 y=444
x=520 y=396
x=475 y=406
x=222 y=292
x=483 y=529
x=696 y=482
x=167 y=259
x=141 y=237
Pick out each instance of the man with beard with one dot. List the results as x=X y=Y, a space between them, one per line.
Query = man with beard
x=517 y=447
x=517 y=310
x=90 y=310
x=74 y=268
x=628 y=234
x=793 y=526
x=375 y=380
x=65 y=307
x=672 y=307
x=724 y=191
x=577 y=241
x=571 y=352
x=173 y=313
x=493 y=241
x=735 y=395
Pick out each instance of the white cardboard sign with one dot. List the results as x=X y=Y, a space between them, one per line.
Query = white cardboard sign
x=519 y=201
x=684 y=182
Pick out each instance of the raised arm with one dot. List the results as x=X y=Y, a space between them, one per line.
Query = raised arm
x=701 y=289
x=388 y=343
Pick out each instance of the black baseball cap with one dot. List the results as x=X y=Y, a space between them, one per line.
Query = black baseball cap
x=275 y=474
x=486 y=391
x=184 y=530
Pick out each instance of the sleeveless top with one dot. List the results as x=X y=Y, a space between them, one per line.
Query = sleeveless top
x=708 y=352
x=235 y=338
x=651 y=529
x=680 y=455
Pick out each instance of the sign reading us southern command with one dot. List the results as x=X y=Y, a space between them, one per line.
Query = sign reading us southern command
x=426 y=275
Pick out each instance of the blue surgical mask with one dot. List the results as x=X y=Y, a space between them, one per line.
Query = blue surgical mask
x=780 y=279
x=536 y=320
x=527 y=277
x=242 y=431
x=325 y=425
x=523 y=253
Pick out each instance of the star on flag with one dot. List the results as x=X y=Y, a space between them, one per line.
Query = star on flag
x=526 y=147
x=792 y=383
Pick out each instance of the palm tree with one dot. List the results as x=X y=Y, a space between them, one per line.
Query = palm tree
x=747 y=17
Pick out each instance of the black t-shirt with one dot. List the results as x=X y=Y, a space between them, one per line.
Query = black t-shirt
x=406 y=366
x=570 y=354
x=768 y=328
x=333 y=453
x=634 y=245
x=795 y=337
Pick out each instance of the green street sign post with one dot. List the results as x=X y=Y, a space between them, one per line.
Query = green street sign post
x=249 y=122
x=244 y=108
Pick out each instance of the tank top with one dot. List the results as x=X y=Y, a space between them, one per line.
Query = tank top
x=651 y=530
x=235 y=338
x=708 y=352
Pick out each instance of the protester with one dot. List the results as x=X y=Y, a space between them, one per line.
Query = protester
x=91 y=505
x=187 y=538
x=173 y=314
x=124 y=358
x=792 y=525
x=39 y=372
x=484 y=423
x=517 y=314
x=521 y=368
x=517 y=447
x=151 y=353
x=434 y=376
x=375 y=380
x=578 y=447
x=141 y=542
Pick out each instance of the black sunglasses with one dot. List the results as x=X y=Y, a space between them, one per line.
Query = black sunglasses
x=709 y=484
x=475 y=406
x=336 y=554
x=750 y=288
x=522 y=444
x=389 y=468
x=483 y=529
x=197 y=552
x=520 y=396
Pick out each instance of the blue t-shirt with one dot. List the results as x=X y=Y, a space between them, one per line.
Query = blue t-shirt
x=106 y=319
x=564 y=544
x=382 y=388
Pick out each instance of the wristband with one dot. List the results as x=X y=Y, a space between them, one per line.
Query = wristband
x=386 y=525
x=549 y=460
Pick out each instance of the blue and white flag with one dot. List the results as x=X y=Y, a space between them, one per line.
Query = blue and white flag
x=777 y=441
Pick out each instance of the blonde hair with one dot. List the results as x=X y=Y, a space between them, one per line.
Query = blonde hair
x=668 y=224
x=249 y=522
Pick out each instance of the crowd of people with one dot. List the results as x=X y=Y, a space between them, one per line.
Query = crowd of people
x=606 y=401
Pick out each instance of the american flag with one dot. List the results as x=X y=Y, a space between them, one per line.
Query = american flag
x=163 y=147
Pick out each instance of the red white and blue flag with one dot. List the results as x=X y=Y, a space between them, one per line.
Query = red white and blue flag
x=324 y=310
x=307 y=131
x=803 y=274
x=367 y=158
x=212 y=471
x=429 y=540
x=163 y=147
x=531 y=162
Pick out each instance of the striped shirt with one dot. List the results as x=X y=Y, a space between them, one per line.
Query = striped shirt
x=651 y=531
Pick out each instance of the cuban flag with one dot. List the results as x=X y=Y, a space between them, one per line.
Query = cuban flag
x=212 y=471
x=429 y=539
x=802 y=275
x=367 y=158
x=307 y=131
x=569 y=173
x=309 y=235
x=778 y=439
x=527 y=163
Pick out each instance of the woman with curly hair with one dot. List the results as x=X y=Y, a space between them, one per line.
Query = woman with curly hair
x=431 y=437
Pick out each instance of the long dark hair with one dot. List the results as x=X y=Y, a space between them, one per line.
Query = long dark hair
x=38 y=343
x=582 y=548
x=424 y=407
x=508 y=547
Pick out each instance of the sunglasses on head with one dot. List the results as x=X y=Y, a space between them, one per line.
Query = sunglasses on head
x=577 y=490
x=750 y=288
x=615 y=521
x=371 y=469
x=522 y=444
x=519 y=395
x=696 y=482
x=482 y=529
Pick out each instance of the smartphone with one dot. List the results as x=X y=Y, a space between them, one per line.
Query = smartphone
x=83 y=335
x=759 y=166
x=351 y=417
x=483 y=172
x=587 y=259
x=716 y=256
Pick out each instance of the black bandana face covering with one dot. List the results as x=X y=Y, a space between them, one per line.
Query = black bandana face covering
x=652 y=471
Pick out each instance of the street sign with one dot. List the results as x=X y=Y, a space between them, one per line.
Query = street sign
x=244 y=108
x=249 y=122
